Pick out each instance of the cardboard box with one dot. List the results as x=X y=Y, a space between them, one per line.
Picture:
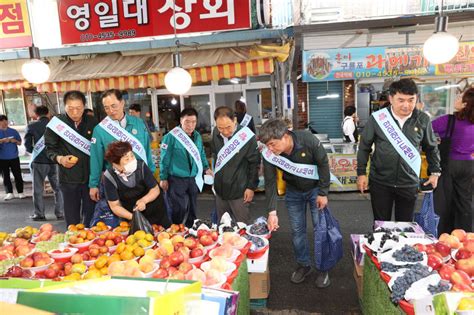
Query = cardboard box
x=259 y=265
x=357 y=251
x=359 y=277
x=114 y=295
x=259 y=284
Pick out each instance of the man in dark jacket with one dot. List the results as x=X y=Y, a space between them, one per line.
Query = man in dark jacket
x=235 y=177
x=397 y=131
x=305 y=166
x=68 y=143
x=42 y=166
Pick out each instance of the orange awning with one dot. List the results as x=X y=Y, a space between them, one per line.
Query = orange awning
x=203 y=74
x=14 y=85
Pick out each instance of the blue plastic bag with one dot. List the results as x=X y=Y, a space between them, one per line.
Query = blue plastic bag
x=102 y=211
x=327 y=241
x=427 y=218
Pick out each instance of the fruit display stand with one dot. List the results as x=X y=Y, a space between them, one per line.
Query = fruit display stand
x=241 y=285
x=116 y=295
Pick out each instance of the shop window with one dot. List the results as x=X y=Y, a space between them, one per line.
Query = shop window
x=260 y=78
x=168 y=112
x=436 y=100
x=232 y=81
x=203 y=106
x=15 y=107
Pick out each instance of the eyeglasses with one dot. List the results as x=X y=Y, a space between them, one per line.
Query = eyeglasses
x=111 y=107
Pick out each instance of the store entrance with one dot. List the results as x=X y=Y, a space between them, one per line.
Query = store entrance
x=168 y=112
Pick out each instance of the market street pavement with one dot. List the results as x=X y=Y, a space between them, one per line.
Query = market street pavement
x=351 y=209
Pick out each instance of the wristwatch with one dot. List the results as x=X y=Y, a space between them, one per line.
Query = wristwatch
x=436 y=174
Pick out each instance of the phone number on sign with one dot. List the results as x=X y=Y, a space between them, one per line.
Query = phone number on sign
x=108 y=35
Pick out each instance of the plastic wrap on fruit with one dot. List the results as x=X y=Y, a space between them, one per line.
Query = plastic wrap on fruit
x=227 y=224
x=256 y=241
x=201 y=224
x=259 y=227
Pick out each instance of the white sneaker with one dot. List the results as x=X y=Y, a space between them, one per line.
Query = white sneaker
x=21 y=196
x=9 y=196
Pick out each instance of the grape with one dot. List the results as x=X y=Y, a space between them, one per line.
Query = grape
x=45 y=246
x=398 y=230
x=403 y=283
x=7 y=263
x=442 y=286
x=198 y=223
x=408 y=253
x=257 y=242
x=259 y=228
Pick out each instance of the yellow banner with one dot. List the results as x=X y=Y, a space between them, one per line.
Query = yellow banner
x=461 y=64
x=15 y=31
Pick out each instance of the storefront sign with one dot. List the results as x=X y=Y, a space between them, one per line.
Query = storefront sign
x=83 y=21
x=15 y=29
x=344 y=167
x=372 y=62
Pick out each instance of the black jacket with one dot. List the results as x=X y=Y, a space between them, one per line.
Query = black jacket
x=307 y=150
x=55 y=145
x=34 y=132
x=240 y=117
x=387 y=167
x=240 y=173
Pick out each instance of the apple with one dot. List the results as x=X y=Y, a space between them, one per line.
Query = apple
x=197 y=252
x=190 y=243
x=165 y=263
x=444 y=237
x=466 y=265
x=15 y=272
x=46 y=227
x=172 y=270
x=214 y=235
x=446 y=271
x=76 y=258
x=460 y=287
x=178 y=275
x=42 y=262
x=68 y=268
x=19 y=241
x=99 y=241
x=103 y=249
x=176 y=258
x=37 y=255
x=434 y=261
x=118 y=239
x=430 y=249
x=86 y=256
x=109 y=243
x=420 y=247
x=461 y=278
x=27 y=262
x=51 y=273
x=206 y=240
x=460 y=234
x=22 y=250
x=202 y=232
x=56 y=266
x=443 y=249
x=463 y=254
x=469 y=245
x=94 y=252
x=185 y=267
x=470 y=236
x=160 y=274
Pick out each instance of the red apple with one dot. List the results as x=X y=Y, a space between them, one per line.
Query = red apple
x=420 y=247
x=434 y=261
x=460 y=287
x=214 y=235
x=176 y=258
x=68 y=268
x=100 y=241
x=461 y=278
x=86 y=256
x=165 y=263
x=463 y=254
x=15 y=272
x=51 y=273
x=430 y=249
x=94 y=252
x=202 y=232
x=190 y=242
x=160 y=274
x=197 y=252
x=446 y=271
x=184 y=267
x=76 y=258
x=109 y=243
x=118 y=239
x=56 y=266
x=27 y=262
x=466 y=265
x=443 y=249
x=206 y=240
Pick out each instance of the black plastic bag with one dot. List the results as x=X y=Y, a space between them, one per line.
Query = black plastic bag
x=139 y=222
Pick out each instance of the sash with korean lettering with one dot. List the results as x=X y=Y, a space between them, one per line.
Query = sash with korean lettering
x=192 y=149
x=115 y=130
x=302 y=170
x=399 y=141
x=245 y=122
x=39 y=147
x=232 y=147
x=69 y=135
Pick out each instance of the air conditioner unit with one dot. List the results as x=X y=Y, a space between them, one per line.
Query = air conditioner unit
x=326 y=14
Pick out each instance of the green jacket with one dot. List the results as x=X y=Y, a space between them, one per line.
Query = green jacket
x=307 y=150
x=55 y=145
x=240 y=173
x=387 y=167
x=175 y=159
x=100 y=140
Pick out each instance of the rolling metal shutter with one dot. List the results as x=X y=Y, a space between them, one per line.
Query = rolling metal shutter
x=326 y=115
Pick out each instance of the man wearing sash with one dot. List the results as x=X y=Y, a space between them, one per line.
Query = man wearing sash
x=182 y=164
x=234 y=150
x=42 y=166
x=243 y=118
x=117 y=126
x=305 y=166
x=397 y=131
x=67 y=138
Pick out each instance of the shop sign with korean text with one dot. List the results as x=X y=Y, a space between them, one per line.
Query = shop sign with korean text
x=344 y=167
x=83 y=21
x=15 y=29
x=373 y=62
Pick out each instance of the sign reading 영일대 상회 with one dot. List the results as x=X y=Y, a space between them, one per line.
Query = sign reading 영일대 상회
x=83 y=21
x=373 y=62
x=15 y=29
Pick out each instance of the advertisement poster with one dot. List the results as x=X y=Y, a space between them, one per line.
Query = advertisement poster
x=344 y=167
x=15 y=29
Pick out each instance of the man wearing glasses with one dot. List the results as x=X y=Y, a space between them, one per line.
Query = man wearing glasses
x=117 y=126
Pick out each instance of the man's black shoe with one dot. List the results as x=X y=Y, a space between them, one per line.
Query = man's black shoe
x=300 y=274
x=322 y=281
x=36 y=217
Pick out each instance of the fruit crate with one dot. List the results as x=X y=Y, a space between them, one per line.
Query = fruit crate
x=258 y=303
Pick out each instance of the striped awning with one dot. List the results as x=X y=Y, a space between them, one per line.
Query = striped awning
x=15 y=85
x=203 y=74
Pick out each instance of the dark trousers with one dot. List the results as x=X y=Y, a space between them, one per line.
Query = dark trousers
x=14 y=166
x=76 y=196
x=453 y=197
x=384 y=197
x=183 y=193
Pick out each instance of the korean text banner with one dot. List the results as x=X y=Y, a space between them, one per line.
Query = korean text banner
x=15 y=29
x=83 y=21
x=462 y=64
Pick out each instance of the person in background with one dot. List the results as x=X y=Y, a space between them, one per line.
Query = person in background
x=117 y=124
x=394 y=174
x=89 y=112
x=73 y=162
x=9 y=141
x=130 y=186
x=289 y=123
x=453 y=197
x=297 y=148
x=42 y=166
x=179 y=171
x=237 y=180
x=136 y=110
x=349 y=127
x=242 y=117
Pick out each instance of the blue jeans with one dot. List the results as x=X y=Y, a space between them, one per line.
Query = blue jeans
x=296 y=202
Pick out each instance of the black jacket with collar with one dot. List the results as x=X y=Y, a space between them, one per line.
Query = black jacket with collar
x=34 y=132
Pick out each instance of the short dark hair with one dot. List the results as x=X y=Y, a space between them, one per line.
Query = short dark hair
x=188 y=112
x=3 y=117
x=41 y=110
x=116 y=150
x=116 y=92
x=136 y=107
x=88 y=110
x=468 y=111
x=403 y=86
x=349 y=111
x=74 y=95
x=240 y=107
x=224 y=111
x=272 y=129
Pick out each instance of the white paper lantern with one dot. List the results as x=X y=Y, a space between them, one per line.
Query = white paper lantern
x=35 y=71
x=178 y=81
x=440 y=48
